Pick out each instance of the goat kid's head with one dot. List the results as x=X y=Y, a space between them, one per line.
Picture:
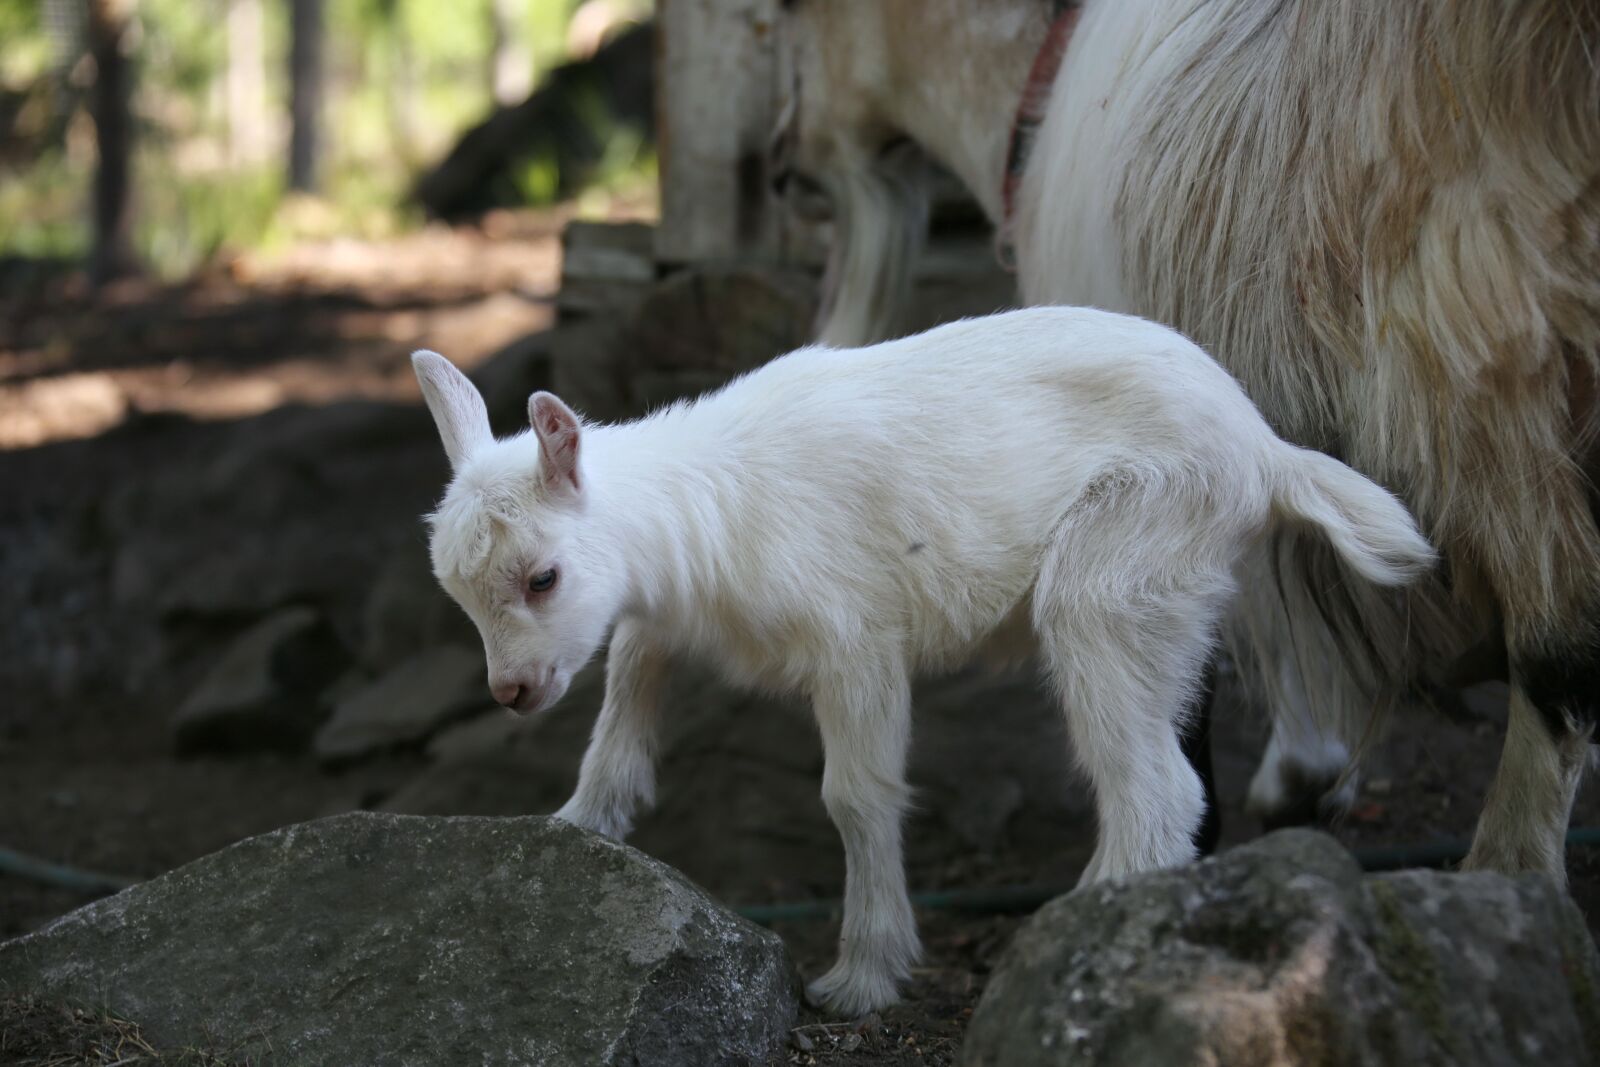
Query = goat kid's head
x=510 y=542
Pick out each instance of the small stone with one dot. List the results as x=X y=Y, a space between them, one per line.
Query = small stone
x=1370 y=813
x=800 y=1041
x=490 y=730
x=850 y=1042
x=263 y=693
x=407 y=705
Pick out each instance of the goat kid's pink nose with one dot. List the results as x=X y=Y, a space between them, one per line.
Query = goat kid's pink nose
x=508 y=694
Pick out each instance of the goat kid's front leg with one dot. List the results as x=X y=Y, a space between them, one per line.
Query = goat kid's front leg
x=865 y=720
x=618 y=775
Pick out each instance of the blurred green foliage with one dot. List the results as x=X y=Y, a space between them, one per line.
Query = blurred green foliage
x=403 y=79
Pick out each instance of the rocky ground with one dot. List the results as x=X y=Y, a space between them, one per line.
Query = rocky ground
x=185 y=466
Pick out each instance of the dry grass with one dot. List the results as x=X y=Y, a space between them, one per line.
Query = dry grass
x=40 y=1033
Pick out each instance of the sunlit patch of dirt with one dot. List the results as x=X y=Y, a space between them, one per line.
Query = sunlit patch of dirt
x=50 y=409
x=318 y=323
x=514 y=251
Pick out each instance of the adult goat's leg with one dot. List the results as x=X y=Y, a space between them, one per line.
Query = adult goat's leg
x=865 y=719
x=1524 y=821
x=881 y=227
x=1540 y=544
x=1555 y=703
x=1282 y=626
x=1305 y=775
x=619 y=768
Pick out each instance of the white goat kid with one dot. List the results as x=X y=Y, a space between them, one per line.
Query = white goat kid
x=838 y=520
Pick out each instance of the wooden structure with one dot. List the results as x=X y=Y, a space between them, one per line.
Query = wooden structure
x=716 y=102
x=724 y=238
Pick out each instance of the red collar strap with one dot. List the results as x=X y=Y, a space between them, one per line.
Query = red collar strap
x=1031 y=108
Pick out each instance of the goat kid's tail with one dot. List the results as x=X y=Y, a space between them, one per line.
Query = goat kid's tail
x=1370 y=530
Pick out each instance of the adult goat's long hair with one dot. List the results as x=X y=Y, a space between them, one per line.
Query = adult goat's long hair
x=1384 y=219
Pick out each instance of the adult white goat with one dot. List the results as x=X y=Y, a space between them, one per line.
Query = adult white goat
x=1384 y=218
x=1069 y=482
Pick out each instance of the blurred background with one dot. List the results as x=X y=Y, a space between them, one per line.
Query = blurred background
x=198 y=130
x=224 y=225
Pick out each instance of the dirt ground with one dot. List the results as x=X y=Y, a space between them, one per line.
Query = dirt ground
x=177 y=461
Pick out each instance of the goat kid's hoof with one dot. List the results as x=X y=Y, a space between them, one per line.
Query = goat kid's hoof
x=851 y=994
x=583 y=819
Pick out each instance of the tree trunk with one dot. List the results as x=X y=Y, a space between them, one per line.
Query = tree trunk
x=110 y=104
x=305 y=94
x=246 y=83
x=405 y=106
x=510 y=69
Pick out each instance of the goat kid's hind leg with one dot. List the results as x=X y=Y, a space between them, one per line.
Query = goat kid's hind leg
x=865 y=720
x=1128 y=668
x=1124 y=721
x=618 y=775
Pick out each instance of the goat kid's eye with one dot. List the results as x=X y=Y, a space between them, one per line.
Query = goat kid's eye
x=543 y=582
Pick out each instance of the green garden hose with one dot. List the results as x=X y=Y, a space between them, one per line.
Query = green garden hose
x=55 y=874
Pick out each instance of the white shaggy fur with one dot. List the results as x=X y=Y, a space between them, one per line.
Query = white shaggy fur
x=837 y=521
x=1384 y=219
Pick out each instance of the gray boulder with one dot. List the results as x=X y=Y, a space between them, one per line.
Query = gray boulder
x=402 y=940
x=1282 y=952
x=408 y=704
x=263 y=691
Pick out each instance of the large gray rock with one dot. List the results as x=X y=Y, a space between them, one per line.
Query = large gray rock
x=408 y=704
x=263 y=692
x=401 y=940
x=1283 y=953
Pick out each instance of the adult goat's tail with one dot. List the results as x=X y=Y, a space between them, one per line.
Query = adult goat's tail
x=1371 y=531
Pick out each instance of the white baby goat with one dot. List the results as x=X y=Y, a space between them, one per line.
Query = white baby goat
x=1063 y=481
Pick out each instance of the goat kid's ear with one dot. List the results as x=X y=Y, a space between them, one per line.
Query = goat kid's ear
x=456 y=404
x=559 y=431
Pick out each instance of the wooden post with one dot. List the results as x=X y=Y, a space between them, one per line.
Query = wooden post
x=305 y=93
x=716 y=103
x=109 y=103
x=510 y=69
